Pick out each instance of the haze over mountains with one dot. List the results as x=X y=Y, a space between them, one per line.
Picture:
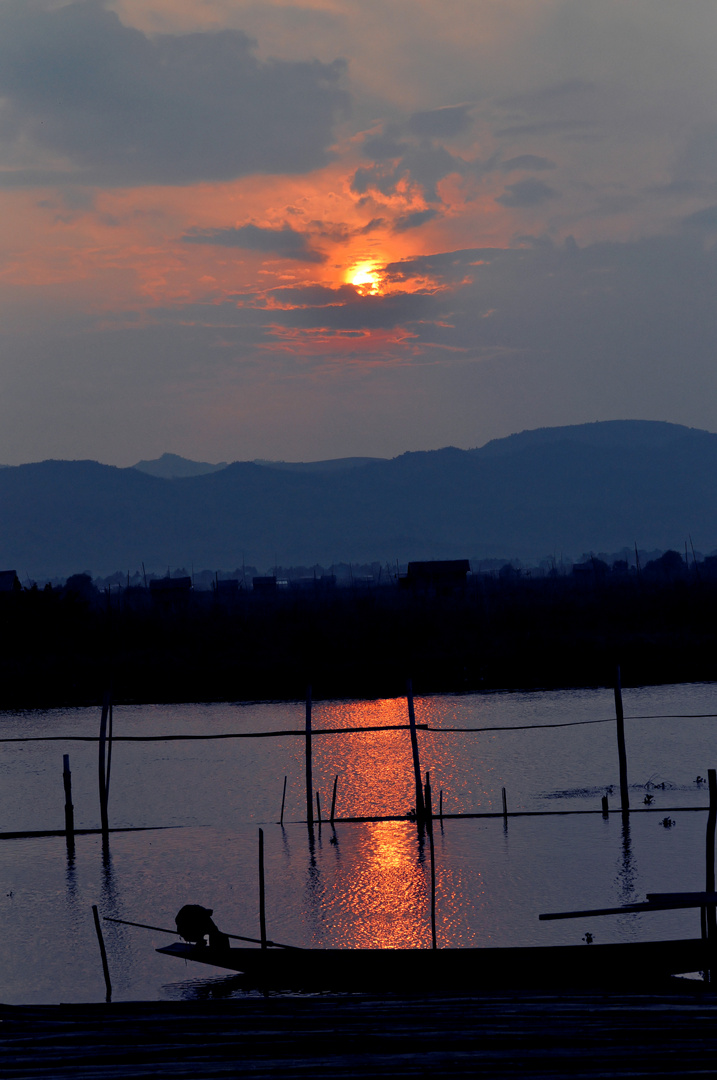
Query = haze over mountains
x=589 y=487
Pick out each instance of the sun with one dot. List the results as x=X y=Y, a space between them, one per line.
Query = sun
x=365 y=278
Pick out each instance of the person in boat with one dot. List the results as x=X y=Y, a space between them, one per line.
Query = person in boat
x=195 y=922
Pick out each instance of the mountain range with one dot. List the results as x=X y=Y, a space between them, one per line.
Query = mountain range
x=551 y=491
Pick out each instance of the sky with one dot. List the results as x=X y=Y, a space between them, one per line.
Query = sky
x=308 y=229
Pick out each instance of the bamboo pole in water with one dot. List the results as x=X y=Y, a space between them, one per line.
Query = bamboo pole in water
x=262 y=899
x=102 y=767
x=429 y=827
x=309 y=779
x=711 y=915
x=283 y=800
x=420 y=808
x=621 y=752
x=333 y=798
x=69 y=808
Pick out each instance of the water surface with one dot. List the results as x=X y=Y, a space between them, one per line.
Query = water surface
x=357 y=885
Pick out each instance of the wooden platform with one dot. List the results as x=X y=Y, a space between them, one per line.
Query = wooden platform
x=584 y=1037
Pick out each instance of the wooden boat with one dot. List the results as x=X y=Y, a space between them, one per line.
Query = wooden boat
x=634 y=965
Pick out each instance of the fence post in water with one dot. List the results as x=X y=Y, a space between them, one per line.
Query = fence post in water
x=429 y=827
x=621 y=753
x=103 y=954
x=505 y=806
x=283 y=800
x=69 y=808
x=102 y=764
x=420 y=808
x=333 y=798
x=318 y=808
x=710 y=877
x=262 y=905
x=605 y=810
x=309 y=780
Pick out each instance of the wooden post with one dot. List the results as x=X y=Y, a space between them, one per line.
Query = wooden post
x=262 y=903
x=283 y=800
x=605 y=810
x=420 y=808
x=318 y=808
x=440 y=804
x=333 y=798
x=103 y=954
x=104 y=820
x=505 y=806
x=69 y=808
x=429 y=826
x=621 y=753
x=710 y=875
x=309 y=780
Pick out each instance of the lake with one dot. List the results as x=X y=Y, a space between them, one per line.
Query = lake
x=358 y=884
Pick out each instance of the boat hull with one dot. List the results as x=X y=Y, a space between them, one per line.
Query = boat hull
x=635 y=965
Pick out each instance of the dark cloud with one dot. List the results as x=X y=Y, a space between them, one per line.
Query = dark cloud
x=285 y=242
x=316 y=296
x=123 y=108
x=548 y=95
x=526 y=193
x=440 y=123
x=527 y=162
x=546 y=127
x=414 y=220
x=422 y=166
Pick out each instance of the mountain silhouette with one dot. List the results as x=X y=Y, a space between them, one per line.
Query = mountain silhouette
x=562 y=490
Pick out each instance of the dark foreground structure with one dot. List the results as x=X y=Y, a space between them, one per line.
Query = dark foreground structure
x=63 y=648
x=540 y=1036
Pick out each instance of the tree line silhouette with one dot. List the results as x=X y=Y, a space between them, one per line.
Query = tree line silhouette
x=506 y=630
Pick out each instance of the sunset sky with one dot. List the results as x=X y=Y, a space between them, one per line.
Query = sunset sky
x=303 y=229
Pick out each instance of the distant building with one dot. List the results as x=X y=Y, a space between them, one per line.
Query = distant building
x=226 y=588
x=264 y=585
x=170 y=592
x=8 y=581
x=440 y=576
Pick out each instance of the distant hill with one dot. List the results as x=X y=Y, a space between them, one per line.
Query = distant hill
x=331 y=465
x=169 y=466
x=555 y=491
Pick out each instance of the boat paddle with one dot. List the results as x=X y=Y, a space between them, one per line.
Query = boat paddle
x=163 y=930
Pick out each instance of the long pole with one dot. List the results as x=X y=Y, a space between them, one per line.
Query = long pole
x=333 y=798
x=710 y=876
x=69 y=808
x=420 y=808
x=102 y=767
x=283 y=800
x=621 y=752
x=309 y=780
x=429 y=826
x=262 y=901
